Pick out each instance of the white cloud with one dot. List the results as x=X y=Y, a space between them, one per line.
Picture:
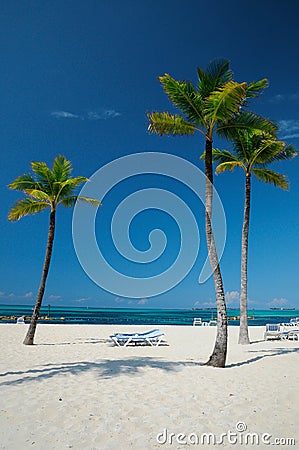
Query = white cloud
x=289 y=128
x=64 y=115
x=289 y=125
x=232 y=296
x=290 y=136
x=118 y=300
x=279 y=98
x=28 y=295
x=278 y=302
x=82 y=299
x=2 y=294
x=54 y=297
x=103 y=115
x=208 y=305
x=203 y=305
x=142 y=301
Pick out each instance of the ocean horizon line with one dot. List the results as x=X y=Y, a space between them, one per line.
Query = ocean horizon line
x=139 y=316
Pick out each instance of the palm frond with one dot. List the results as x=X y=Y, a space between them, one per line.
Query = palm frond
x=269 y=176
x=229 y=165
x=62 y=168
x=25 y=207
x=214 y=77
x=223 y=156
x=66 y=188
x=270 y=151
x=47 y=188
x=255 y=88
x=183 y=95
x=219 y=70
x=249 y=121
x=23 y=182
x=69 y=202
x=284 y=153
x=76 y=181
x=225 y=102
x=42 y=172
x=92 y=201
x=163 y=123
x=244 y=144
x=265 y=152
x=38 y=194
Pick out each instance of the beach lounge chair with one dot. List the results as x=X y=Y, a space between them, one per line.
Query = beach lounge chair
x=272 y=331
x=289 y=330
x=293 y=335
x=211 y=323
x=152 y=337
x=281 y=331
x=197 y=321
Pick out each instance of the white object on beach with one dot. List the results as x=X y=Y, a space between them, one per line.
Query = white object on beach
x=197 y=321
x=295 y=320
x=282 y=331
x=20 y=320
x=152 y=337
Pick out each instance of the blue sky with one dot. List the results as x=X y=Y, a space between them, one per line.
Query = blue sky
x=77 y=79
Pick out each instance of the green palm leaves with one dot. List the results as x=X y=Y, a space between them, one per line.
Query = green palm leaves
x=172 y=124
x=214 y=77
x=212 y=104
x=253 y=152
x=217 y=103
x=47 y=188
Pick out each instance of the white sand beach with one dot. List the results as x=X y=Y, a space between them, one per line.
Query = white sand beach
x=76 y=389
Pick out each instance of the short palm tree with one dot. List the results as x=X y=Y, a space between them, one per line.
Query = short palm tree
x=46 y=188
x=209 y=107
x=253 y=152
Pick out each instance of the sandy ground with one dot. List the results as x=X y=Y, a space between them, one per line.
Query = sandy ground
x=75 y=389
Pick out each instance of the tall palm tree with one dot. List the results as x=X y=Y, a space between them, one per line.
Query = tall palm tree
x=210 y=106
x=46 y=188
x=253 y=152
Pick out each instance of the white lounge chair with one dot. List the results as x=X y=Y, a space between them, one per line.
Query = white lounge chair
x=281 y=331
x=197 y=321
x=292 y=335
x=289 y=330
x=272 y=331
x=295 y=320
x=152 y=337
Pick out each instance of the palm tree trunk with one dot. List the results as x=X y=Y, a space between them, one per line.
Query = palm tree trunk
x=243 y=332
x=218 y=356
x=33 y=322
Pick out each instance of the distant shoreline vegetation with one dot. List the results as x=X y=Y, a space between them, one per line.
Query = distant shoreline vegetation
x=137 y=316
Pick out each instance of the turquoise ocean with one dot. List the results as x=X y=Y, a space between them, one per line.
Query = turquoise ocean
x=118 y=316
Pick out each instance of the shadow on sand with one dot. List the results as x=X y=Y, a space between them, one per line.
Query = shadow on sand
x=132 y=366
x=104 y=369
x=265 y=354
